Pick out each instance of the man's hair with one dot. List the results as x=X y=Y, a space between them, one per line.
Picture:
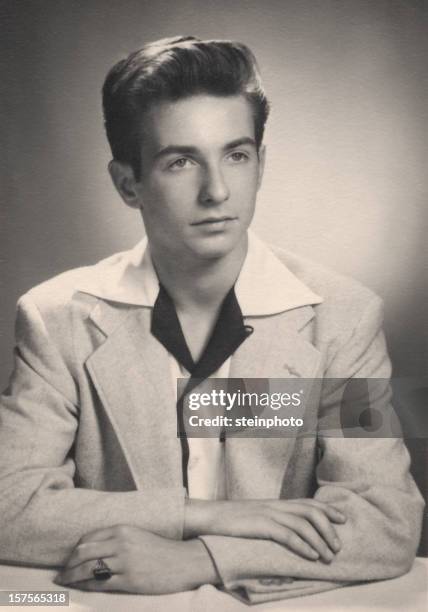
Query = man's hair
x=171 y=69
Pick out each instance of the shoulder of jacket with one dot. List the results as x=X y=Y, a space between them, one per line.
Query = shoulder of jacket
x=61 y=292
x=344 y=298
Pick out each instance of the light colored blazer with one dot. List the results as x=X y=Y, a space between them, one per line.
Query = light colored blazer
x=88 y=426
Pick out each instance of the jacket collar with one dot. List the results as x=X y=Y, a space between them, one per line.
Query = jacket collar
x=265 y=286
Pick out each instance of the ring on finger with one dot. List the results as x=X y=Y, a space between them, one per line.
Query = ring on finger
x=101 y=570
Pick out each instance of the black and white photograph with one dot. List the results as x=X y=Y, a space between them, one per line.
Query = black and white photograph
x=214 y=314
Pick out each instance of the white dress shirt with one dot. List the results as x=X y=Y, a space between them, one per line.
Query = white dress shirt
x=205 y=469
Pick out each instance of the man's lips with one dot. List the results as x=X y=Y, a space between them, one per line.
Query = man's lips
x=213 y=220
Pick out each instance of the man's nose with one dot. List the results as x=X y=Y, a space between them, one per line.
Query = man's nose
x=214 y=188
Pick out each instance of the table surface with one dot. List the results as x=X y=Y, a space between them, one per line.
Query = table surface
x=407 y=593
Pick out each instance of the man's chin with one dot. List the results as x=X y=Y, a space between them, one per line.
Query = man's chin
x=215 y=247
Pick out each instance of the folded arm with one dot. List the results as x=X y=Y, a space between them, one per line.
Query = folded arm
x=379 y=538
x=42 y=513
x=367 y=479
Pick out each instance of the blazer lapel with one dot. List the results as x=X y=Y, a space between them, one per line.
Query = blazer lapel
x=130 y=371
x=255 y=467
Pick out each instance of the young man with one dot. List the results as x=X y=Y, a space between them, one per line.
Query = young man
x=93 y=476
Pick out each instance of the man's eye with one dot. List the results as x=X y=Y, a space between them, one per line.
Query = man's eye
x=180 y=163
x=238 y=156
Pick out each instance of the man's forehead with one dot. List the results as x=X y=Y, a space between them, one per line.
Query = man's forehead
x=198 y=120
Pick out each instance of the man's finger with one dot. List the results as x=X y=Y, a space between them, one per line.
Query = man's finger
x=85 y=571
x=319 y=516
x=291 y=540
x=87 y=551
x=305 y=530
x=333 y=513
x=324 y=527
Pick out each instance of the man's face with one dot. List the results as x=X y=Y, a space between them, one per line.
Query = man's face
x=200 y=172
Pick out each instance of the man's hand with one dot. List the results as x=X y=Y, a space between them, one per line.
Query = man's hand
x=141 y=562
x=304 y=526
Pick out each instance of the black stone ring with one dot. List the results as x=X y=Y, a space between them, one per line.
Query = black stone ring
x=102 y=571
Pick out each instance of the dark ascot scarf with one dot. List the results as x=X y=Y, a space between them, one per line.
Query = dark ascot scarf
x=228 y=334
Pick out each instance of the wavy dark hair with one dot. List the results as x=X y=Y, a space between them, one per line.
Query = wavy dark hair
x=170 y=69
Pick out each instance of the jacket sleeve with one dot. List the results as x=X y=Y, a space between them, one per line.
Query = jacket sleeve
x=42 y=514
x=366 y=478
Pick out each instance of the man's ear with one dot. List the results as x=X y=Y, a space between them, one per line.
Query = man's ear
x=262 y=158
x=123 y=178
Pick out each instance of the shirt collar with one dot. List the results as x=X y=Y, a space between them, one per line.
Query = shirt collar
x=264 y=286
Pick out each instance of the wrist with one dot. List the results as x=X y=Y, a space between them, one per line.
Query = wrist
x=198 y=515
x=199 y=566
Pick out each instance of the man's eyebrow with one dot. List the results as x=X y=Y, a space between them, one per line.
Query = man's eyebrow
x=190 y=150
x=246 y=140
x=174 y=150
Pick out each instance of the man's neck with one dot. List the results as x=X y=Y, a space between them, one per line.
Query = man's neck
x=197 y=285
